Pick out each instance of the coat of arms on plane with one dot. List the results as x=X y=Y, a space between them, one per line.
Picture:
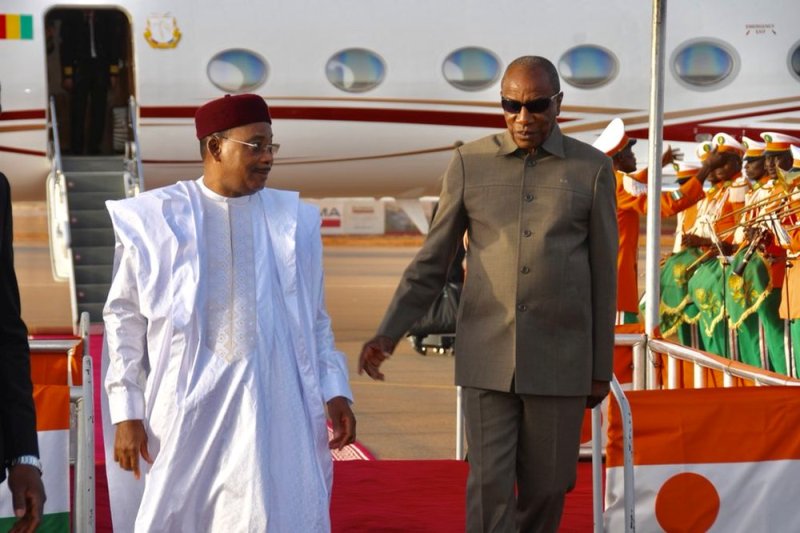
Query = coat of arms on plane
x=162 y=31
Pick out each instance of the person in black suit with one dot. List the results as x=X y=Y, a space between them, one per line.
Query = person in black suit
x=90 y=53
x=19 y=446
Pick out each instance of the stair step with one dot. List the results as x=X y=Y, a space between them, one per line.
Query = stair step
x=92 y=237
x=93 y=255
x=112 y=182
x=93 y=274
x=95 y=311
x=92 y=163
x=89 y=293
x=89 y=218
x=90 y=200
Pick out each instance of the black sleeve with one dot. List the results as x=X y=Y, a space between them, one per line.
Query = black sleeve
x=17 y=415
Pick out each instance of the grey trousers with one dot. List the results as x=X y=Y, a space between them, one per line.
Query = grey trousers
x=533 y=440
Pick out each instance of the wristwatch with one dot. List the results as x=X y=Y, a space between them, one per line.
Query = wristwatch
x=30 y=460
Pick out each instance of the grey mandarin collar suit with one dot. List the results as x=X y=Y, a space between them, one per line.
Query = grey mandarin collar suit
x=540 y=294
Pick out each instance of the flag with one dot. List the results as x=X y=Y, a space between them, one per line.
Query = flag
x=16 y=27
x=52 y=426
x=717 y=460
x=674 y=289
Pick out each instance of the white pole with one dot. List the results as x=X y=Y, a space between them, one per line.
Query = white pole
x=459 y=424
x=654 y=165
x=597 y=469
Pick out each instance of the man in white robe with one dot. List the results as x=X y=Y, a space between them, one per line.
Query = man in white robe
x=221 y=355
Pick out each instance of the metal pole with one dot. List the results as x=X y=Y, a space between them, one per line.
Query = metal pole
x=673 y=369
x=84 y=484
x=627 y=443
x=88 y=448
x=787 y=345
x=654 y=180
x=640 y=365
x=459 y=425
x=762 y=346
x=597 y=470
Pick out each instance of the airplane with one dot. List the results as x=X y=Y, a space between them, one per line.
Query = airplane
x=369 y=99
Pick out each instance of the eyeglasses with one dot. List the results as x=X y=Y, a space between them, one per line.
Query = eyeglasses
x=539 y=105
x=256 y=147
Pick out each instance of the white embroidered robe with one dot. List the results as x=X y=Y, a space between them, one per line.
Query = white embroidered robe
x=229 y=372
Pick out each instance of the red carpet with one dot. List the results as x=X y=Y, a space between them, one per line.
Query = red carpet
x=381 y=496
x=403 y=496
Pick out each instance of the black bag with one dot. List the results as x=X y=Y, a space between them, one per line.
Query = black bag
x=441 y=317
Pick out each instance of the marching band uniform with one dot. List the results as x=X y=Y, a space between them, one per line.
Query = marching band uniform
x=779 y=145
x=753 y=295
x=715 y=222
x=631 y=203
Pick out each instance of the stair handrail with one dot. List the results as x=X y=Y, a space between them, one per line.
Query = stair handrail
x=135 y=148
x=60 y=238
x=53 y=123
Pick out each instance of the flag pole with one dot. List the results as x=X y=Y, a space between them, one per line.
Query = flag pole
x=655 y=134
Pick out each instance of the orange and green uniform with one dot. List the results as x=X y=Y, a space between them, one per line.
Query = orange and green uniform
x=631 y=203
x=706 y=287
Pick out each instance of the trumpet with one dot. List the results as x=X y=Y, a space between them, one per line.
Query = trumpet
x=778 y=211
x=751 y=248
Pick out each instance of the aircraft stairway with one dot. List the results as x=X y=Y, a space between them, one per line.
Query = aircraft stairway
x=90 y=181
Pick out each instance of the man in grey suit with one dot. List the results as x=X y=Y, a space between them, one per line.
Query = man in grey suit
x=535 y=336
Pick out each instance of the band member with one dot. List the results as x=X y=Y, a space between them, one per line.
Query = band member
x=631 y=203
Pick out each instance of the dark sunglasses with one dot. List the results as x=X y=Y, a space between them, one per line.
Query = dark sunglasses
x=539 y=105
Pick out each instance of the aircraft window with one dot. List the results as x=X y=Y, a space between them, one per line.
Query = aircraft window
x=237 y=70
x=704 y=64
x=471 y=69
x=794 y=61
x=355 y=70
x=588 y=66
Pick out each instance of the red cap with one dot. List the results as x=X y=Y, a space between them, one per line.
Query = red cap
x=229 y=112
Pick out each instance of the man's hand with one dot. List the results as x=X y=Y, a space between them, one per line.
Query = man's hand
x=130 y=441
x=375 y=352
x=714 y=160
x=671 y=155
x=343 y=421
x=27 y=494
x=599 y=391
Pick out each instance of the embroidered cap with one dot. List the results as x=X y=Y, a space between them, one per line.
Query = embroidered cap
x=753 y=149
x=726 y=143
x=613 y=139
x=778 y=142
x=229 y=112
x=702 y=150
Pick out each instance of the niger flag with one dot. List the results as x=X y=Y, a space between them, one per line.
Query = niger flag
x=52 y=425
x=719 y=460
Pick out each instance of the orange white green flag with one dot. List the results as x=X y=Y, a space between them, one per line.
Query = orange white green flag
x=717 y=460
x=52 y=424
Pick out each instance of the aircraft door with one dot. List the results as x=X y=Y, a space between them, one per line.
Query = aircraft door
x=90 y=74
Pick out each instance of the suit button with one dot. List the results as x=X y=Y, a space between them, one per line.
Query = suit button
x=531 y=163
x=527 y=233
x=525 y=270
x=528 y=197
x=522 y=308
